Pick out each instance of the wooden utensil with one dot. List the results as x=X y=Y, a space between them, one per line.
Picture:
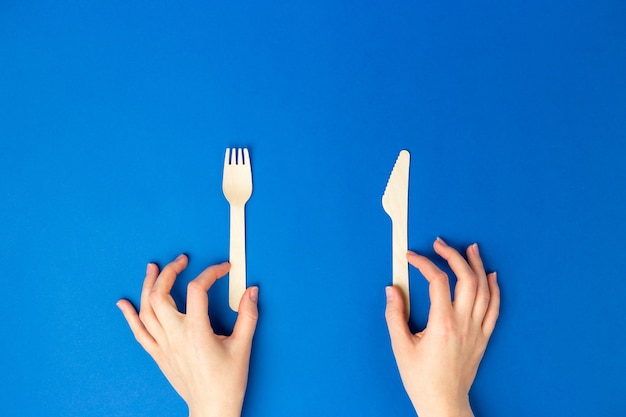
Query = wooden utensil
x=237 y=187
x=395 y=203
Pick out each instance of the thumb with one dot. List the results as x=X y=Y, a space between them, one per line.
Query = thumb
x=247 y=317
x=396 y=321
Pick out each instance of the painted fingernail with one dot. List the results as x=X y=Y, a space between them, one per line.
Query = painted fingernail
x=254 y=294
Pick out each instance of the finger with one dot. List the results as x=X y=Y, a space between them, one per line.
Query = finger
x=146 y=313
x=482 y=291
x=247 y=318
x=160 y=299
x=152 y=272
x=438 y=284
x=167 y=277
x=396 y=320
x=493 y=310
x=197 y=297
x=142 y=335
x=467 y=282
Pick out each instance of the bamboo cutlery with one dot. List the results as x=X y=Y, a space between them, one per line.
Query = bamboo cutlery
x=237 y=187
x=396 y=203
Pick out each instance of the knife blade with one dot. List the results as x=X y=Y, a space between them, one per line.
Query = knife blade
x=396 y=205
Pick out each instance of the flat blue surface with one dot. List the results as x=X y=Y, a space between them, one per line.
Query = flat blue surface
x=114 y=118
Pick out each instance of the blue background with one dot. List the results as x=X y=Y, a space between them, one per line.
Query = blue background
x=114 y=118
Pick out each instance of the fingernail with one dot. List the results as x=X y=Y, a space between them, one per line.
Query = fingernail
x=495 y=276
x=181 y=256
x=254 y=294
x=440 y=240
x=389 y=293
x=148 y=268
x=475 y=249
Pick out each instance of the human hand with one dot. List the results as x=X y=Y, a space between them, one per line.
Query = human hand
x=439 y=364
x=209 y=371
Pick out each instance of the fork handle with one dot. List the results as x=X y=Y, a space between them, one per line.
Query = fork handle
x=237 y=255
x=400 y=266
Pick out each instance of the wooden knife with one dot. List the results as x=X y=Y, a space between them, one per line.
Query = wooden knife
x=396 y=204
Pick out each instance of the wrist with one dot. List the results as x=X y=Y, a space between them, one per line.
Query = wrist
x=214 y=413
x=214 y=410
x=459 y=408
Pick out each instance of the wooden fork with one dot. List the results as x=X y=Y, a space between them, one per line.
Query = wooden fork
x=237 y=187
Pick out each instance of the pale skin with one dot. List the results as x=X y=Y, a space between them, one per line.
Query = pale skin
x=209 y=371
x=438 y=365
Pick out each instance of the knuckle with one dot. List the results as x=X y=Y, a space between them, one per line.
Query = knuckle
x=440 y=276
x=155 y=298
x=168 y=269
x=472 y=279
x=194 y=286
x=483 y=297
x=466 y=331
x=448 y=329
x=144 y=317
x=449 y=325
x=144 y=342
x=190 y=331
x=495 y=291
x=496 y=314
x=452 y=254
x=252 y=315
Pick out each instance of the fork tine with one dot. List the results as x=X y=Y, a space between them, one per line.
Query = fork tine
x=239 y=157
x=227 y=157
x=246 y=156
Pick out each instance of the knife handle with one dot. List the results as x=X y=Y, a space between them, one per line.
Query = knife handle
x=237 y=256
x=400 y=266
